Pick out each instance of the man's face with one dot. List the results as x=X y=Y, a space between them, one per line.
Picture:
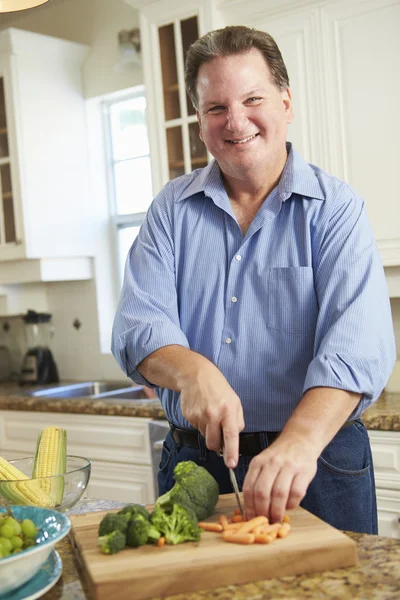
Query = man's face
x=243 y=116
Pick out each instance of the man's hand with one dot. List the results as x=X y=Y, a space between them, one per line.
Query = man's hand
x=278 y=477
x=211 y=406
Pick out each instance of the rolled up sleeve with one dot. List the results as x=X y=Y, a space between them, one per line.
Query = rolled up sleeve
x=354 y=342
x=147 y=315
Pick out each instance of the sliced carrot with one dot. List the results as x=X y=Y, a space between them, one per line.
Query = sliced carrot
x=284 y=530
x=237 y=519
x=223 y=519
x=237 y=511
x=248 y=526
x=261 y=528
x=286 y=519
x=271 y=528
x=244 y=538
x=207 y=526
x=161 y=542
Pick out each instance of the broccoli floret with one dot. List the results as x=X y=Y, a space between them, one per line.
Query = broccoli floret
x=194 y=487
x=137 y=531
x=179 y=525
x=112 y=542
x=134 y=509
x=113 y=522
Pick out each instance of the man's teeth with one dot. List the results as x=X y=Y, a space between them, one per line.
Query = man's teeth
x=242 y=141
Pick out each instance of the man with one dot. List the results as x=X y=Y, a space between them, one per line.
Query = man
x=255 y=302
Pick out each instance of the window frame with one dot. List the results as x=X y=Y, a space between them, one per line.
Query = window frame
x=119 y=221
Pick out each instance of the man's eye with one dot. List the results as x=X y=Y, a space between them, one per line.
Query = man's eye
x=216 y=109
x=254 y=100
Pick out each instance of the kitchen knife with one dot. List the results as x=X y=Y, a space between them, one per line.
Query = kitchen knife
x=235 y=488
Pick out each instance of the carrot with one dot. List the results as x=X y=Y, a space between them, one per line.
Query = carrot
x=286 y=519
x=244 y=538
x=272 y=528
x=223 y=519
x=248 y=526
x=263 y=538
x=261 y=528
x=233 y=526
x=207 y=526
x=161 y=542
x=237 y=511
x=284 y=530
x=237 y=519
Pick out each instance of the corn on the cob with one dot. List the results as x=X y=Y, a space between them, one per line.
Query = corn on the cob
x=51 y=460
x=19 y=489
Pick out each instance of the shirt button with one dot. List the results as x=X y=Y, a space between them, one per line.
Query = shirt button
x=234 y=299
x=228 y=340
x=238 y=257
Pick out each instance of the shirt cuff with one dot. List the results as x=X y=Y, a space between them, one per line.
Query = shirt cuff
x=135 y=344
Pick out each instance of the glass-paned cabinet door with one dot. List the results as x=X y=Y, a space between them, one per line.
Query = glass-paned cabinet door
x=7 y=213
x=185 y=150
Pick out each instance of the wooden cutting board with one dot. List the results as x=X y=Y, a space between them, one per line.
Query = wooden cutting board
x=142 y=573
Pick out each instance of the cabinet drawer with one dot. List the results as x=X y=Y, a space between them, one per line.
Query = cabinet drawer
x=116 y=439
x=120 y=482
x=386 y=456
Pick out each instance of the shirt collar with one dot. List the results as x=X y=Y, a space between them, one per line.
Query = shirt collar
x=297 y=177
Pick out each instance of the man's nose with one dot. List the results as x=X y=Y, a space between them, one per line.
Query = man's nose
x=236 y=119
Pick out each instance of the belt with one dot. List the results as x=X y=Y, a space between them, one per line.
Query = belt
x=250 y=444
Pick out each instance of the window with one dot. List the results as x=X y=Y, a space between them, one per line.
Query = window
x=128 y=153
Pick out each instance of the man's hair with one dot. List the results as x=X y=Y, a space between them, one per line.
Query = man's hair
x=231 y=40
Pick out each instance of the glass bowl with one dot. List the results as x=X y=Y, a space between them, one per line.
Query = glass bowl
x=17 y=569
x=61 y=492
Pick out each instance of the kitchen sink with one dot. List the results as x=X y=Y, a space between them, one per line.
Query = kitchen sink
x=90 y=389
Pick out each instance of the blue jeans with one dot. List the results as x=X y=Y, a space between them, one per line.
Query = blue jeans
x=342 y=492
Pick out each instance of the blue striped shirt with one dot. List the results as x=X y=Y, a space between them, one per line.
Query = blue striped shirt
x=299 y=301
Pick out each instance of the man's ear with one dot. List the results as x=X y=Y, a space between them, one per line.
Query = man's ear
x=199 y=122
x=287 y=102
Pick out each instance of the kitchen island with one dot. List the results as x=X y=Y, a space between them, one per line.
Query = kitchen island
x=376 y=576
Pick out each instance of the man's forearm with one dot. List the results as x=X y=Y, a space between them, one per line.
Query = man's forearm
x=172 y=366
x=320 y=414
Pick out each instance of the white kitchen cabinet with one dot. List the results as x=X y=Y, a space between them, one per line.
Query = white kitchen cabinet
x=343 y=88
x=44 y=176
x=118 y=447
x=167 y=29
x=386 y=456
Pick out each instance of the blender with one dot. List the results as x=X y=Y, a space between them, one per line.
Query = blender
x=38 y=365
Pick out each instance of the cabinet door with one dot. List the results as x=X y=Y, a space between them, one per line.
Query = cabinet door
x=168 y=29
x=10 y=222
x=388 y=512
x=362 y=80
x=121 y=482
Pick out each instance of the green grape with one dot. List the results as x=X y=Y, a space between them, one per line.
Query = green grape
x=7 y=544
x=16 y=542
x=2 y=520
x=7 y=530
x=28 y=528
x=28 y=542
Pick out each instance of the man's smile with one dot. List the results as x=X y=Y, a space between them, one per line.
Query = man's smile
x=243 y=140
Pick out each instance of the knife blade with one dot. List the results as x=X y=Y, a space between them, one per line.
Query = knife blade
x=235 y=486
x=236 y=490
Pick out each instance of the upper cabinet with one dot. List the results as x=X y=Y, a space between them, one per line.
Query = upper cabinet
x=44 y=175
x=342 y=60
x=168 y=28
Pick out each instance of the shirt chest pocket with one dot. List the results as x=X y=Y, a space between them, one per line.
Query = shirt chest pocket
x=292 y=303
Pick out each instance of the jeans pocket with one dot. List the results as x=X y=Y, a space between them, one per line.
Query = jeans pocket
x=346 y=472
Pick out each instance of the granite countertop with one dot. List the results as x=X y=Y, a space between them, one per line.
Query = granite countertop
x=384 y=415
x=376 y=576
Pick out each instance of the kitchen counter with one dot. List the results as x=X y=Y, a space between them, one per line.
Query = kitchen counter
x=376 y=576
x=384 y=415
